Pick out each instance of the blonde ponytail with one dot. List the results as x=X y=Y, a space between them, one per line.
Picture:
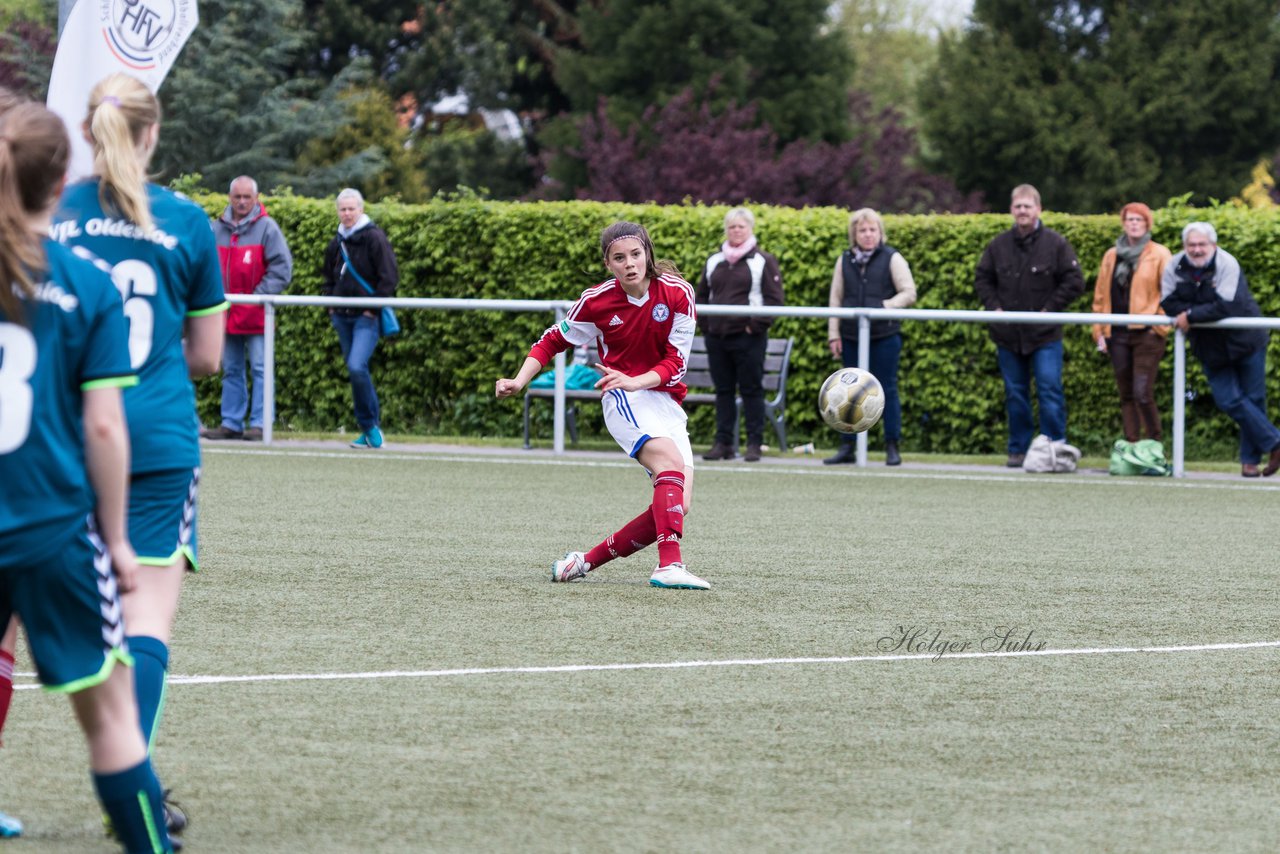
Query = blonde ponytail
x=121 y=111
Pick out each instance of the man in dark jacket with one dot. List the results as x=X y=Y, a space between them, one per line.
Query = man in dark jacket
x=1201 y=284
x=359 y=263
x=255 y=259
x=1029 y=268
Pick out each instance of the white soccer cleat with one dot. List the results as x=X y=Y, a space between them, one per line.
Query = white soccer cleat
x=675 y=576
x=571 y=567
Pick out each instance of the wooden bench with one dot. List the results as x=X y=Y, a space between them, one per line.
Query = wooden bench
x=777 y=363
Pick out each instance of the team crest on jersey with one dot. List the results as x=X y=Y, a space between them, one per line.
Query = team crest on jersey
x=661 y=312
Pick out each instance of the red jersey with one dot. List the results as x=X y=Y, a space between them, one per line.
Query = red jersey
x=652 y=333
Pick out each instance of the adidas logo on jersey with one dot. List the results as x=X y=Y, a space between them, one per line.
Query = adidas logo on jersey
x=617 y=321
x=679 y=508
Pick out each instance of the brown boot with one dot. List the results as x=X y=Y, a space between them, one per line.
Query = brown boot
x=719 y=451
x=221 y=432
x=1273 y=462
x=753 y=454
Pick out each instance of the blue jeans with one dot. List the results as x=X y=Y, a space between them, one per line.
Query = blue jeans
x=358 y=337
x=234 y=395
x=1240 y=390
x=1045 y=364
x=884 y=364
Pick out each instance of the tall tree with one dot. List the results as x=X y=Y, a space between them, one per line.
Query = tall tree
x=234 y=105
x=230 y=101
x=345 y=30
x=779 y=54
x=367 y=151
x=894 y=44
x=1100 y=102
x=463 y=46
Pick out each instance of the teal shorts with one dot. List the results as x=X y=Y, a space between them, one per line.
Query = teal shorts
x=70 y=608
x=162 y=516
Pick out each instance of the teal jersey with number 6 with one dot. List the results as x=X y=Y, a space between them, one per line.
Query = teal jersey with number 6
x=71 y=340
x=164 y=277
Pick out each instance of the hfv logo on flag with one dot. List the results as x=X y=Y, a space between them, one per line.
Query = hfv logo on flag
x=140 y=38
x=140 y=33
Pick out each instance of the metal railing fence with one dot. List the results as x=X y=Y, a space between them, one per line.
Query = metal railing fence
x=863 y=316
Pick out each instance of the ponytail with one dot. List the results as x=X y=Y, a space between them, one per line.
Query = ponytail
x=121 y=111
x=34 y=152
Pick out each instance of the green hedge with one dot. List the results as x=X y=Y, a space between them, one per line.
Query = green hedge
x=437 y=376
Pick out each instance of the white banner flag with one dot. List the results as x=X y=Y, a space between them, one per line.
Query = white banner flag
x=140 y=38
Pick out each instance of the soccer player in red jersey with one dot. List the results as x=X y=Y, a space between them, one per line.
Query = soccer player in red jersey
x=643 y=322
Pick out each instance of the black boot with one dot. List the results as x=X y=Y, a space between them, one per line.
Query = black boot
x=891 y=455
x=846 y=454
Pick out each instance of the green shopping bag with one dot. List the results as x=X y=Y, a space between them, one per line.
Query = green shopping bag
x=1145 y=457
x=1148 y=455
x=1119 y=465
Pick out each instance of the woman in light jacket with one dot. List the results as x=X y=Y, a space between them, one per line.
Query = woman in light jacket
x=1129 y=283
x=871 y=274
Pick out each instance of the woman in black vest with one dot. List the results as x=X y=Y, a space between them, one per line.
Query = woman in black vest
x=739 y=274
x=871 y=274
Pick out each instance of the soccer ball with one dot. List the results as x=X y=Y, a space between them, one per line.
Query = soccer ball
x=851 y=400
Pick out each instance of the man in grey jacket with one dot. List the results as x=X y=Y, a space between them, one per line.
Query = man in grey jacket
x=1204 y=283
x=1029 y=268
x=255 y=260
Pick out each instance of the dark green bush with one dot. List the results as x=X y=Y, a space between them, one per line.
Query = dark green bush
x=437 y=376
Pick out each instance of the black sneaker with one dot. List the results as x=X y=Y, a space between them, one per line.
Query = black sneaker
x=891 y=455
x=175 y=817
x=175 y=821
x=846 y=454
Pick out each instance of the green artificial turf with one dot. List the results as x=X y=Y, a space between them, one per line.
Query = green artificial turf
x=321 y=561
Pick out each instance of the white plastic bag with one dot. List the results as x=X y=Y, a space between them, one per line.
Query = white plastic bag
x=1047 y=456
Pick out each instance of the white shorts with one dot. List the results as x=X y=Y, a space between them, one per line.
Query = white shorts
x=635 y=417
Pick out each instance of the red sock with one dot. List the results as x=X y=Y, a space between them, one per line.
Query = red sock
x=668 y=515
x=633 y=536
x=6 y=686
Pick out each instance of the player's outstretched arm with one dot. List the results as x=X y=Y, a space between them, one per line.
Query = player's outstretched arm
x=617 y=379
x=106 y=446
x=507 y=387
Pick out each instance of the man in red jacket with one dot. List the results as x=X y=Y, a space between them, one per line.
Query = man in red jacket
x=255 y=260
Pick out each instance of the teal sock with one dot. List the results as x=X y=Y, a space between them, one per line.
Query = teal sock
x=151 y=667
x=133 y=800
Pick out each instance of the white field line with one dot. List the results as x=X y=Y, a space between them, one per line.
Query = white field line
x=687 y=665
x=806 y=471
